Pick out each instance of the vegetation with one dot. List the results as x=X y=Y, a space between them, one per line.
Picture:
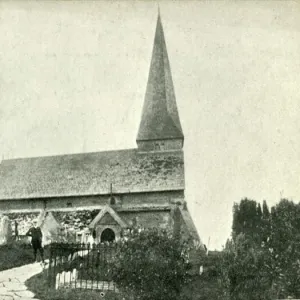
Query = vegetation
x=39 y=286
x=262 y=260
x=152 y=264
x=205 y=286
x=16 y=254
x=149 y=264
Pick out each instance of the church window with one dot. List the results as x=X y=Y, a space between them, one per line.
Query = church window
x=112 y=200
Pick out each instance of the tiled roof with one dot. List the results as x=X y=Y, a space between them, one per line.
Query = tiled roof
x=91 y=174
x=160 y=119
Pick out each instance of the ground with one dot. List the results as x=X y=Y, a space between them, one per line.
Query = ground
x=12 y=282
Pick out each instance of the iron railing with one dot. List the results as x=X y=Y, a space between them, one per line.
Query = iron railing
x=83 y=266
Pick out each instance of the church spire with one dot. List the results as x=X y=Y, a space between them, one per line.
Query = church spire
x=160 y=126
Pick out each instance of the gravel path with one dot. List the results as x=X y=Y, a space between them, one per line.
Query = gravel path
x=12 y=282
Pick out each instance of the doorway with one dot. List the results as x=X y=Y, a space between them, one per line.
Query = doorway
x=107 y=235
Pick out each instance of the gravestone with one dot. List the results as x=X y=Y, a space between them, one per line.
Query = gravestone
x=5 y=231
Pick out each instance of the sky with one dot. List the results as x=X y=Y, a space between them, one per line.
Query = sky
x=73 y=77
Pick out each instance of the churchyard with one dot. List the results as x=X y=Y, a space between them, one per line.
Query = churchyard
x=152 y=264
x=76 y=270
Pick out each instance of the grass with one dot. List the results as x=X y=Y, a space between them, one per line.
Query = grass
x=38 y=285
x=200 y=288
x=16 y=255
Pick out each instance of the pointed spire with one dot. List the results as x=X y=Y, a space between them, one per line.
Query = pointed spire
x=160 y=119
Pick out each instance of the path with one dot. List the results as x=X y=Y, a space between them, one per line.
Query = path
x=12 y=282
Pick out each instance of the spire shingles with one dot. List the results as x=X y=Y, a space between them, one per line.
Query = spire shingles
x=160 y=119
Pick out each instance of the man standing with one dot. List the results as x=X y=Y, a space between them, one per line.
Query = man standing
x=36 y=240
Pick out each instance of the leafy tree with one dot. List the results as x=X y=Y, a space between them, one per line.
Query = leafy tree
x=247 y=219
x=265 y=223
x=258 y=212
x=262 y=261
x=284 y=242
x=265 y=210
x=245 y=271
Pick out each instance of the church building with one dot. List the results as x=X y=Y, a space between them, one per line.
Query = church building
x=103 y=194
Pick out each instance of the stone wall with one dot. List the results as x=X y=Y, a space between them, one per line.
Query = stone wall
x=69 y=225
x=74 y=214
x=28 y=205
x=75 y=220
x=23 y=220
x=124 y=200
x=148 y=219
x=152 y=199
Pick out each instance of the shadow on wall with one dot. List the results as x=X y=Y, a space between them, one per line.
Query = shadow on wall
x=51 y=229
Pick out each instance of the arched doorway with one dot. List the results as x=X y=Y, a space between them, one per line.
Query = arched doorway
x=107 y=235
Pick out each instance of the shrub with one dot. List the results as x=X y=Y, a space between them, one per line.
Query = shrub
x=151 y=264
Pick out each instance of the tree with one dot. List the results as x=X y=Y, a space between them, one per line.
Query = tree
x=285 y=244
x=262 y=261
x=259 y=212
x=247 y=219
x=265 y=210
x=246 y=271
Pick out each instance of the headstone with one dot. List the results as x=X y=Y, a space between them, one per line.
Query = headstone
x=74 y=275
x=5 y=231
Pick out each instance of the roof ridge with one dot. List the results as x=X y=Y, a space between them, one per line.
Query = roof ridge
x=66 y=154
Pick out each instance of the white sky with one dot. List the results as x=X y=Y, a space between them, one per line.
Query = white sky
x=73 y=77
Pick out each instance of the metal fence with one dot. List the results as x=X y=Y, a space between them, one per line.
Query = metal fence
x=83 y=266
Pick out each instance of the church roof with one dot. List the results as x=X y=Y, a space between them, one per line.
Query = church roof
x=129 y=171
x=160 y=119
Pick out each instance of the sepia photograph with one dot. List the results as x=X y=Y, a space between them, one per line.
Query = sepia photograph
x=149 y=150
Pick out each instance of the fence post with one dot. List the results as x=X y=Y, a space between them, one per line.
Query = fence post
x=50 y=265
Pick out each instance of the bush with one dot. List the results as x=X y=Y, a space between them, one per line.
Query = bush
x=151 y=264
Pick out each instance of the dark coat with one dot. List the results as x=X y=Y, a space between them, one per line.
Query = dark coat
x=35 y=233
